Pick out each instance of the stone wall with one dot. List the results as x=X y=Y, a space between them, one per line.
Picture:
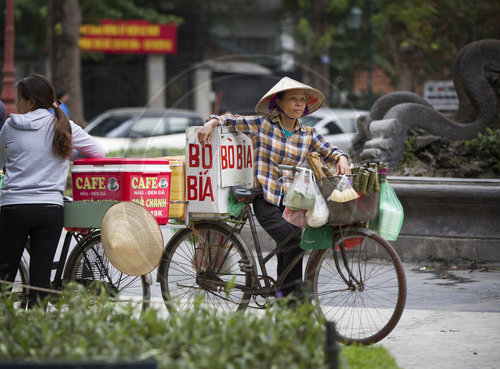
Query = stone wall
x=446 y=219
x=449 y=219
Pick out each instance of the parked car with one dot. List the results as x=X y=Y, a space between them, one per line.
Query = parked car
x=337 y=125
x=126 y=129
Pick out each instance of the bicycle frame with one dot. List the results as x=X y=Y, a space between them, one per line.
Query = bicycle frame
x=263 y=260
x=258 y=288
x=59 y=265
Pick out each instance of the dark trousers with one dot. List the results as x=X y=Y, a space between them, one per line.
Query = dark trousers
x=270 y=218
x=42 y=223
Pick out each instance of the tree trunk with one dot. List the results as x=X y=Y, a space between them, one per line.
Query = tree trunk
x=320 y=75
x=405 y=74
x=64 y=19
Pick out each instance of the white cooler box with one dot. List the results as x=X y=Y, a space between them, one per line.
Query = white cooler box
x=212 y=169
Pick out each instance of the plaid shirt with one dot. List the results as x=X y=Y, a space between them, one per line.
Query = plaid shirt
x=271 y=147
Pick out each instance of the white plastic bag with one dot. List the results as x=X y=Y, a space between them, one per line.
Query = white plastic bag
x=318 y=215
x=300 y=194
x=343 y=192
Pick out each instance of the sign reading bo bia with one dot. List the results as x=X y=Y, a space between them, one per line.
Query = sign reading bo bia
x=213 y=168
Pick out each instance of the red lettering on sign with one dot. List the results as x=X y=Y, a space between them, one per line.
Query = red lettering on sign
x=240 y=159
x=206 y=156
x=192 y=192
x=230 y=154
x=207 y=189
x=194 y=153
x=223 y=157
x=239 y=156
x=199 y=188
x=248 y=163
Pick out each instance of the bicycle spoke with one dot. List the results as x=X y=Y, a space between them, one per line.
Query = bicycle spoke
x=204 y=264
x=369 y=302
x=88 y=265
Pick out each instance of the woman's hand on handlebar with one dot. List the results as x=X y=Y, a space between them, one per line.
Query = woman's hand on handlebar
x=205 y=132
x=343 y=166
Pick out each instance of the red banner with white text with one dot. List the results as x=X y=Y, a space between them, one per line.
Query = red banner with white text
x=129 y=37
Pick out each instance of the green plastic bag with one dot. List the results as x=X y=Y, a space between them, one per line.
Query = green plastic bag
x=234 y=207
x=391 y=215
x=317 y=238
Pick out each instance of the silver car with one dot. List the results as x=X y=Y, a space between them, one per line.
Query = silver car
x=124 y=129
x=337 y=125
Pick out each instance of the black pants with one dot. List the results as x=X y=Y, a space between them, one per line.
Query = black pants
x=270 y=218
x=43 y=224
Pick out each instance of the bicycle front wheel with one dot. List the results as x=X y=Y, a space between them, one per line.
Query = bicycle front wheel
x=363 y=289
x=88 y=265
x=208 y=265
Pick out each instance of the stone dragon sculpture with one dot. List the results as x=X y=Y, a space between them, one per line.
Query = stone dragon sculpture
x=476 y=77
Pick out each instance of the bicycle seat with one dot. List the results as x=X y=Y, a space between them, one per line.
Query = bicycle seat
x=242 y=193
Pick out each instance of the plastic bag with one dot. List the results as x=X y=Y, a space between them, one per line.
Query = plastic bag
x=343 y=192
x=300 y=195
x=234 y=207
x=318 y=215
x=295 y=217
x=317 y=238
x=391 y=214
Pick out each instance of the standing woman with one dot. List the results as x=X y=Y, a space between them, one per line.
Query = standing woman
x=279 y=138
x=35 y=149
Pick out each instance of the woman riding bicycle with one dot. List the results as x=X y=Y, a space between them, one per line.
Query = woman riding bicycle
x=279 y=138
x=35 y=149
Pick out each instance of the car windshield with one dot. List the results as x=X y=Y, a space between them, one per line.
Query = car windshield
x=309 y=121
x=107 y=125
x=349 y=125
x=158 y=126
x=179 y=124
x=148 y=126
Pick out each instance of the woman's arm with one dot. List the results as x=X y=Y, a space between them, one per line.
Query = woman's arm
x=205 y=132
x=248 y=124
x=85 y=145
x=330 y=153
x=3 y=153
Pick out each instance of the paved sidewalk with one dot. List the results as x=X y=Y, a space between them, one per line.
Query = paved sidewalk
x=427 y=339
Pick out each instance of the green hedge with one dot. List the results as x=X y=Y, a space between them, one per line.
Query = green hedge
x=199 y=338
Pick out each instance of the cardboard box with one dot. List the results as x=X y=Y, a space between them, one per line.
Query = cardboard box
x=212 y=169
x=177 y=186
x=144 y=181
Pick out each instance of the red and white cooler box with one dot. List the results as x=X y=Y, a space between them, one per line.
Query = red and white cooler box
x=213 y=168
x=144 y=181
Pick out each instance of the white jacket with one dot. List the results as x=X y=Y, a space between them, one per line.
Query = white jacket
x=33 y=174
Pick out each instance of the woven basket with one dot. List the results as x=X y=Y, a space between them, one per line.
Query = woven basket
x=364 y=208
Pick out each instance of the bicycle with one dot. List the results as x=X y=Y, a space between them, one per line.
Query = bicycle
x=359 y=282
x=86 y=265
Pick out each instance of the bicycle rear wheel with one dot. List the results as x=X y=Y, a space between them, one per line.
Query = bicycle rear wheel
x=88 y=265
x=208 y=264
x=367 y=303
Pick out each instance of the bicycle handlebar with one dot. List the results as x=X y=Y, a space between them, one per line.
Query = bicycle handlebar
x=293 y=168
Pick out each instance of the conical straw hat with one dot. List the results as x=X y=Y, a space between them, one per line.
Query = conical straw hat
x=315 y=98
x=131 y=238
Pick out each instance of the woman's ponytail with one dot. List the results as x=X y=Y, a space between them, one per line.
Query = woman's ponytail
x=61 y=143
